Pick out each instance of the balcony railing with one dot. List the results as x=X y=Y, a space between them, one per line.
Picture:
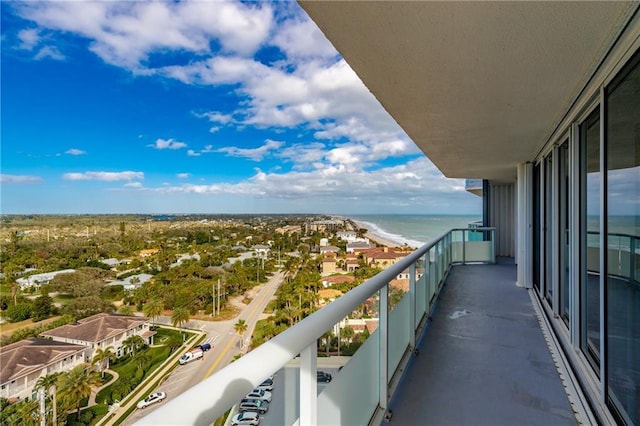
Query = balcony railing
x=359 y=394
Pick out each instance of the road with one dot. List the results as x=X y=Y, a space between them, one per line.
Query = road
x=226 y=345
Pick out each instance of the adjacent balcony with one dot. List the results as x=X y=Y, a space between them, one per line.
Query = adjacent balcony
x=462 y=346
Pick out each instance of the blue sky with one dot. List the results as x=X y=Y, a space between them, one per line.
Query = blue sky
x=203 y=107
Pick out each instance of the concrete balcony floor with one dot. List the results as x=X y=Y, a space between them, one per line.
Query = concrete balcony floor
x=483 y=358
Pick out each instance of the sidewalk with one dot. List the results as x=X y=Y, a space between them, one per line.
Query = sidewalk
x=116 y=411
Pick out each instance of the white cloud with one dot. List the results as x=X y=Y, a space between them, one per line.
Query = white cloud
x=133 y=185
x=168 y=144
x=416 y=182
x=75 y=151
x=255 y=154
x=104 y=176
x=29 y=38
x=214 y=129
x=49 y=52
x=192 y=153
x=301 y=38
x=19 y=179
x=183 y=175
x=126 y=33
x=216 y=117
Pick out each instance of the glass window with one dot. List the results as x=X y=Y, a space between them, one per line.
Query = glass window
x=590 y=238
x=563 y=238
x=623 y=241
x=548 y=229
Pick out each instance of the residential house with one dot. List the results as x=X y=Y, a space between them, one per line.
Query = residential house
x=329 y=264
x=329 y=249
x=101 y=331
x=337 y=279
x=358 y=246
x=38 y=280
x=24 y=362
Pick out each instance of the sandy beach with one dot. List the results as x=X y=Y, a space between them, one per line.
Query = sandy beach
x=375 y=238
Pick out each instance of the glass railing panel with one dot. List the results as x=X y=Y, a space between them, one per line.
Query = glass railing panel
x=421 y=290
x=457 y=246
x=352 y=396
x=619 y=255
x=399 y=332
x=478 y=246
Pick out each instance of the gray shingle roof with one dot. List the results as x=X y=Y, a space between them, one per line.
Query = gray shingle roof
x=29 y=355
x=97 y=328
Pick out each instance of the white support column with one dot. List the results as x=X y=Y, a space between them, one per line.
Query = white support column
x=384 y=347
x=524 y=254
x=308 y=386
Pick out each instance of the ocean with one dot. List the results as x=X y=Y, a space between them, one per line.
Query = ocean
x=414 y=230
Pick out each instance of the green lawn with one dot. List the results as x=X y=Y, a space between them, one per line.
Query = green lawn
x=130 y=373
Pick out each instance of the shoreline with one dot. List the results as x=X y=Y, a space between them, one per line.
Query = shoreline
x=376 y=238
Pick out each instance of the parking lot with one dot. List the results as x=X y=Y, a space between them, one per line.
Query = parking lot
x=284 y=407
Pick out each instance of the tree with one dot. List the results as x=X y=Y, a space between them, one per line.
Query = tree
x=101 y=356
x=77 y=385
x=125 y=310
x=180 y=316
x=42 y=308
x=173 y=342
x=133 y=343
x=48 y=383
x=18 y=312
x=141 y=358
x=153 y=309
x=240 y=327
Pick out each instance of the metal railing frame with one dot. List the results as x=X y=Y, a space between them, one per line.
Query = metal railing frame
x=212 y=398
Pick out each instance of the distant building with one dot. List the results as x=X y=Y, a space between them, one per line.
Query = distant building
x=329 y=249
x=329 y=264
x=132 y=282
x=24 y=362
x=261 y=250
x=102 y=331
x=337 y=279
x=358 y=246
x=148 y=252
x=112 y=262
x=289 y=229
x=324 y=242
x=327 y=295
x=38 y=280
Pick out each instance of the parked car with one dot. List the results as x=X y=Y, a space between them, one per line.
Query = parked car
x=152 y=399
x=266 y=385
x=323 y=376
x=205 y=347
x=246 y=418
x=259 y=394
x=255 y=405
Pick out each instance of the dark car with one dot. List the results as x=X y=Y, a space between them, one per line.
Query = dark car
x=323 y=377
x=256 y=405
x=205 y=347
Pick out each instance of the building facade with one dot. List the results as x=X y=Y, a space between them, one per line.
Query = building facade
x=540 y=103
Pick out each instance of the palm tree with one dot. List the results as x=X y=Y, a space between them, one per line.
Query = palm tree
x=141 y=358
x=173 y=341
x=179 y=316
x=101 y=356
x=153 y=309
x=131 y=344
x=77 y=385
x=48 y=383
x=240 y=327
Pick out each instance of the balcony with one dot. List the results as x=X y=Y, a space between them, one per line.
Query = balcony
x=463 y=346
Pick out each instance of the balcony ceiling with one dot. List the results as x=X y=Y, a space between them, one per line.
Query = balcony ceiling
x=479 y=87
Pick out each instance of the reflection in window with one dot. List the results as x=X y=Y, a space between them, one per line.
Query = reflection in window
x=623 y=241
x=590 y=282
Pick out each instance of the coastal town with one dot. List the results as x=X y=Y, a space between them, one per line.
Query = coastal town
x=97 y=310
